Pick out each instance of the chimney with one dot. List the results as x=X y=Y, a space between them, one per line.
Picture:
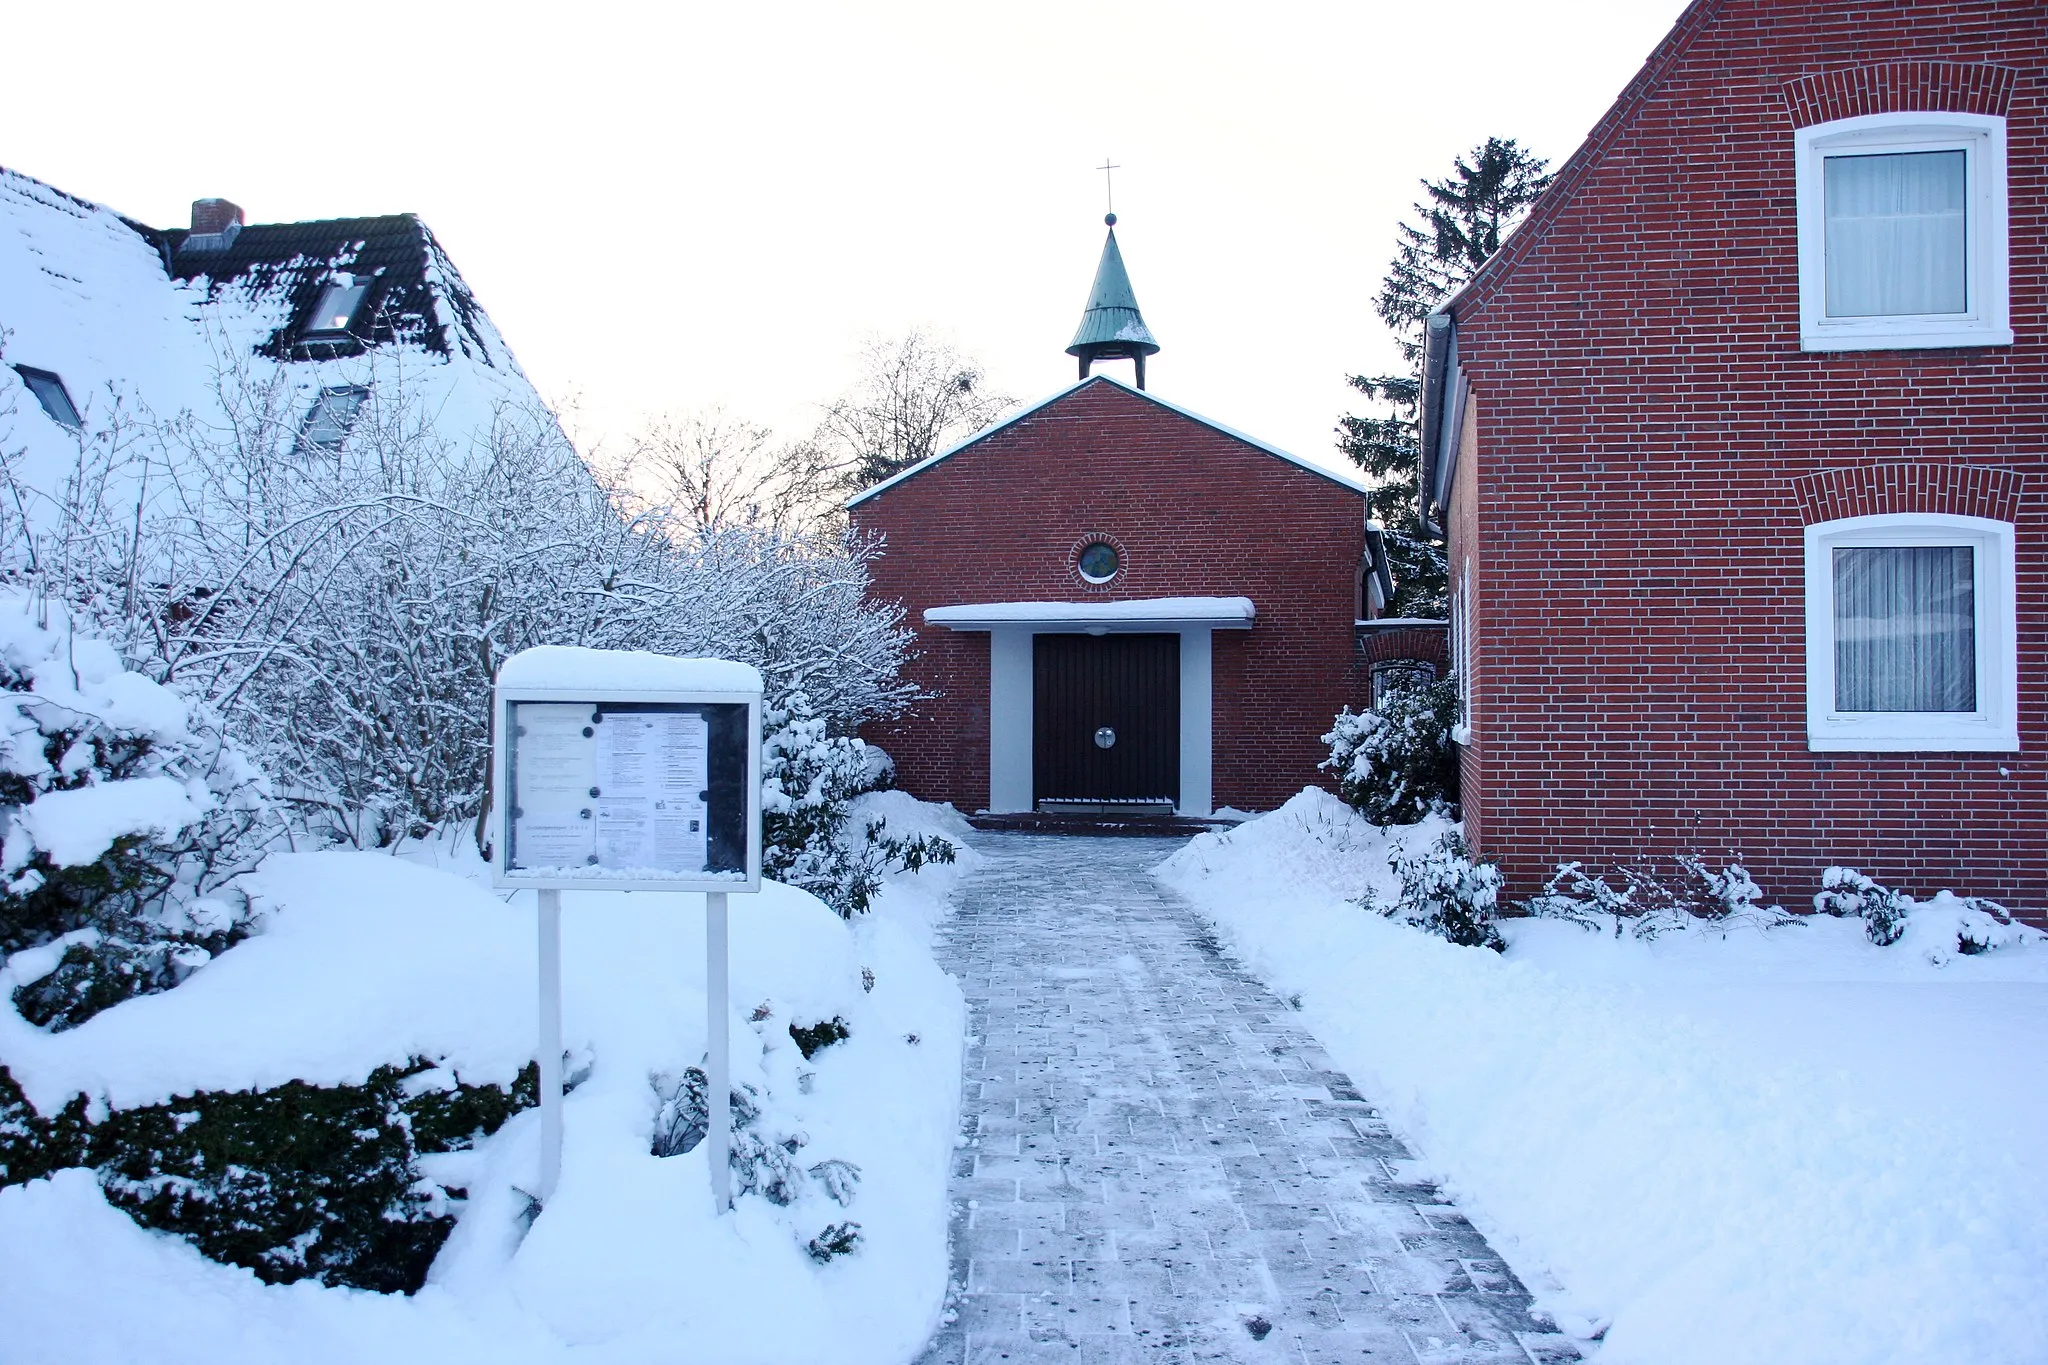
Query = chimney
x=211 y=216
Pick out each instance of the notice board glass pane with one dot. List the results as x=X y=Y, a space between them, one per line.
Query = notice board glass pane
x=628 y=789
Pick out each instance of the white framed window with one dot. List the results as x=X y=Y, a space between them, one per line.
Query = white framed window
x=1461 y=653
x=1911 y=634
x=1902 y=232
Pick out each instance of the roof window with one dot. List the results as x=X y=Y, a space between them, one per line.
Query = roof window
x=339 y=303
x=50 y=392
x=331 y=416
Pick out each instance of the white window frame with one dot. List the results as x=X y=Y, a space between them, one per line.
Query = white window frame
x=1994 y=725
x=1461 y=653
x=1987 y=320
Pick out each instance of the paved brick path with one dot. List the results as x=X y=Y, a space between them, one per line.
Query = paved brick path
x=1160 y=1165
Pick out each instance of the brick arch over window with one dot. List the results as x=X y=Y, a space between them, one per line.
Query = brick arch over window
x=1962 y=490
x=1899 y=87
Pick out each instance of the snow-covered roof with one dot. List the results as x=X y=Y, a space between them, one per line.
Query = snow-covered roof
x=567 y=666
x=140 y=327
x=1050 y=399
x=1139 y=613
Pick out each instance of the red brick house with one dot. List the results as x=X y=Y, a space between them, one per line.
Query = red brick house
x=1741 y=445
x=1121 y=607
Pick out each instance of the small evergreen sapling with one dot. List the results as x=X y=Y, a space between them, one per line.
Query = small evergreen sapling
x=760 y=1164
x=1577 y=896
x=838 y=1239
x=1446 y=891
x=1847 y=893
x=807 y=776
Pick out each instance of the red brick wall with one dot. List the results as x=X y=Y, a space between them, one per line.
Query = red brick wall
x=1652 y=441
x=1197 y=513
x=1424 y=644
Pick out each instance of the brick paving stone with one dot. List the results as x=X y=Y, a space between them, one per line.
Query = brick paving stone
x=1158 y=1165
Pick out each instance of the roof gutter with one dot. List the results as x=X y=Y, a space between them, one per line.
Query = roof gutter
x=1441 y=399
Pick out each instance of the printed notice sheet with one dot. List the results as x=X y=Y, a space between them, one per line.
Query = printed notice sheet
x=653 y=769
x=614 y=790
x=554 y=767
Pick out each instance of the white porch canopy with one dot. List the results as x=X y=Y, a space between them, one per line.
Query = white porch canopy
x=1012 y=624
x=1138 y=614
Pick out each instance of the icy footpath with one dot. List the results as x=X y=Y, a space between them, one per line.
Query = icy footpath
x=367 y=959
x=1790 y=1146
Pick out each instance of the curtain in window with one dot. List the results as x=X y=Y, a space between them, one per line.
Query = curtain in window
x=1906 y=628
x=1895 y=234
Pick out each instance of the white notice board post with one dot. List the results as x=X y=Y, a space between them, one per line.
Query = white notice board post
x=624 y=771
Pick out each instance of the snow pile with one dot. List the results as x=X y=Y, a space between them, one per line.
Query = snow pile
x=1789 y=1145
x=367 y=958
x=572 y=666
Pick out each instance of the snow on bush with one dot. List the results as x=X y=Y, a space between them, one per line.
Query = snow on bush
x=808 y=839
x=763 y=1165
x=1444 y=891
x=346 y=610
x=1845 y=892
x=125 y=811
x=1396 y=762
x=1939 y=928
x=1650 y=902
x=292 y=1182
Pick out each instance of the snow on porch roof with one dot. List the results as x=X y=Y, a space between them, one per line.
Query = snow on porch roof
x=1332 y=475
x=1143 y=613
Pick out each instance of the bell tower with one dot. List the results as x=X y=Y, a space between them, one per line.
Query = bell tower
x=1111 y=326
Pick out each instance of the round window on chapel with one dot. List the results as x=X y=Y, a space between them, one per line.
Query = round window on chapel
x=1098 y=563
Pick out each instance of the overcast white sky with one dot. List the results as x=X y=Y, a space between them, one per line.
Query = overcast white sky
x=668 y=206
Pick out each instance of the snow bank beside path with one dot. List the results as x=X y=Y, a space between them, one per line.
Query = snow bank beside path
x=1790 y=1146
x=367 y=959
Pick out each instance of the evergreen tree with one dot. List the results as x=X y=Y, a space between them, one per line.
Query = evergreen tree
x=1460 y=223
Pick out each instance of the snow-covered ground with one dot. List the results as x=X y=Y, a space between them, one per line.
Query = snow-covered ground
x=1774 y=1146
x=366 y=959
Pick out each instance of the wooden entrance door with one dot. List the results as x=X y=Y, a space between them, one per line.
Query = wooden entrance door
x=1105 y=718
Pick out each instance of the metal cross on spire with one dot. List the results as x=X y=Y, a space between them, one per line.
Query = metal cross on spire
x=1109 y=185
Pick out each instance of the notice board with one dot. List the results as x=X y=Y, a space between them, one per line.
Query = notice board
x=627 y=792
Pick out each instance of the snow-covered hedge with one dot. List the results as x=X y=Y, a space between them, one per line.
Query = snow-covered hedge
x=292 y=1182
x=1395 y=763
x=124 y=809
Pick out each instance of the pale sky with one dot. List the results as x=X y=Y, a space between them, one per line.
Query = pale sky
x=667 y=207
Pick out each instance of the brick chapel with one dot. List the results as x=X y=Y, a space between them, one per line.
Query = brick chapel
x=1122 y=607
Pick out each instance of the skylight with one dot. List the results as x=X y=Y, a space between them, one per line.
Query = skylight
x=336 y=311
x=333 y=413
x=50 y=392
